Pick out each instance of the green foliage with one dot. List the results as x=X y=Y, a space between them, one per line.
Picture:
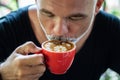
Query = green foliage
x=110 y=75
x=9 y=4
x=6 y=6
x=115 y=12
x=13 y=4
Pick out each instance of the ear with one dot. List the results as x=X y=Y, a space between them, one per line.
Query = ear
x=98 y=5
x=35 y=1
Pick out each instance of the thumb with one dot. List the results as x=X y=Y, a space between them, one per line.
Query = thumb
x=28 y=47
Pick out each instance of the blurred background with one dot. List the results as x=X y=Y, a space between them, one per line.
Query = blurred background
x=6 y=6
x=110 y=6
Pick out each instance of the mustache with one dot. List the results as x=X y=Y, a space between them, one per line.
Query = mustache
x=61 y=38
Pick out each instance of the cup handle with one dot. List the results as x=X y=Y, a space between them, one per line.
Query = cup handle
x=39 y=52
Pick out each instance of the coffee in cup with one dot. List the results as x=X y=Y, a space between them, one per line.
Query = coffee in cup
x=58 y=46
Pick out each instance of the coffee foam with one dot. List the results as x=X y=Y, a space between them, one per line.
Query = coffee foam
x=58 y=46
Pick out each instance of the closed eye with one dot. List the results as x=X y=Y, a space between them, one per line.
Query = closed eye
x=46 y=13
x=77 y=17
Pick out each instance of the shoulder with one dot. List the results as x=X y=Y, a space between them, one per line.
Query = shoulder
x=108 y=22
x=107 y=29
x=15 y=16
x=106 y=18
x=14 y=22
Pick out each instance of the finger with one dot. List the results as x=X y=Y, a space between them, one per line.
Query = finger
x=30 y=60
x=39 y=69
x=28 y=47
x=31 y=77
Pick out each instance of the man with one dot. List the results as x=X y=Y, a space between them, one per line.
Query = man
x=96 y=34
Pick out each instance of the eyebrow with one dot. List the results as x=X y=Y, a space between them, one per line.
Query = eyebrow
x=78 y=15
x=46 y=11
x=71 y=15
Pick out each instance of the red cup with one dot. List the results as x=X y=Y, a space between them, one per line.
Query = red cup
x=59 y=62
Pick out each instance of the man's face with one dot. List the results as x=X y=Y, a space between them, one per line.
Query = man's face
x=65 y=18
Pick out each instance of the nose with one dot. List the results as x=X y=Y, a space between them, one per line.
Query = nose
x=60 y=27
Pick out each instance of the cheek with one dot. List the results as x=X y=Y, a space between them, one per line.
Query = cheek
x=47 y=24
x=78 y=28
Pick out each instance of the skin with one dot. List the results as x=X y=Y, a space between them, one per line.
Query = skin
x=61 y=18
x=21 y=66
x=71 y=22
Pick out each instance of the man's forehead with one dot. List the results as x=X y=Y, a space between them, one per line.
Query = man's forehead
x=66 y=7
x=67 y=2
